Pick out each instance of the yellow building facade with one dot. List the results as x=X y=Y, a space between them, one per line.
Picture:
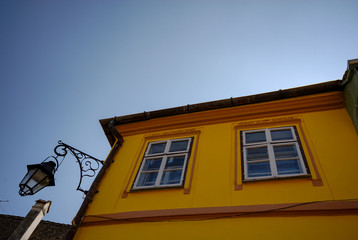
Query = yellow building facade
x=281 y=165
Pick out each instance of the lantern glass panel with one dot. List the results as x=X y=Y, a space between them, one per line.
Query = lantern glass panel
x=27 y=176
x=36 y=178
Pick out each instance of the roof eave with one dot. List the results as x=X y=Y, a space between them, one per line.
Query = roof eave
x=335 y=85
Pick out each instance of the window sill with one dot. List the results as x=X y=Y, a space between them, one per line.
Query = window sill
x=156 y=188
x=278 y=178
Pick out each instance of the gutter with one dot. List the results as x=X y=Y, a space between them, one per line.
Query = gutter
x=335 y=85
x=76 y=222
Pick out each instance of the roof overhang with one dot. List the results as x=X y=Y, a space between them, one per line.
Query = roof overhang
x=219 y=104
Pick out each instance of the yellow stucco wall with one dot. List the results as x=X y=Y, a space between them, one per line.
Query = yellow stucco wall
x=332 y=140
x=334 y=145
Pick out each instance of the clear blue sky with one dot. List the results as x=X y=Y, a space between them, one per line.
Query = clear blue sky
x=66 y=64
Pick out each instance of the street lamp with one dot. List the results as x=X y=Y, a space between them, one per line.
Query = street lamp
x=41 y=175
x=37 y=177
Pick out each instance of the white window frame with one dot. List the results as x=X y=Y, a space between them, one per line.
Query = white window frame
x=165 y=156
x=270 y=144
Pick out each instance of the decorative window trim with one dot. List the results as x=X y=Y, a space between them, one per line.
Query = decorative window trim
x=269 y=144
x=190 y=163
x=160 y=170
x=274 y=123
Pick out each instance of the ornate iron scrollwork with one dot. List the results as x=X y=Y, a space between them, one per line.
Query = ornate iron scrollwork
x=88 y=165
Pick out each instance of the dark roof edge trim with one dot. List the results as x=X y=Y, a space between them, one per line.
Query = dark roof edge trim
x=335 y=85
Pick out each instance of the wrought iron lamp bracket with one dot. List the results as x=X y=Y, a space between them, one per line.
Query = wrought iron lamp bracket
x=88 y=165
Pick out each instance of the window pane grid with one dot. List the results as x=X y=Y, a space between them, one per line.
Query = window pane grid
x=261 y=169
x=285 y=159
x=147 y=179
x=171 y=146
x=255 y=137
x=176 y=169
x=171 y=177
x=281 y=135
x=179 y=146
x=279 y=156
x=172 y=158
x=149 y=171
x=172 y=169
x=257 y=161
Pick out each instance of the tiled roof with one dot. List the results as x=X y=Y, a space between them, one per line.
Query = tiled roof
x=46 y=230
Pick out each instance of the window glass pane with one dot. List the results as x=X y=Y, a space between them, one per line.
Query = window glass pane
x=287 y=151
x=288 y=167
x=254 y=137
x=179 y=146
x=175 y=162
x=152 y=164
x=258 y=153
x=260 y=169
x=147 y=179
x=171 y=177
x=284 y=134
x=157 y=148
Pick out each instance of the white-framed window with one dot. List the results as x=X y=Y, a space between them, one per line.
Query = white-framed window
x=272 y=153
x=164 y=164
